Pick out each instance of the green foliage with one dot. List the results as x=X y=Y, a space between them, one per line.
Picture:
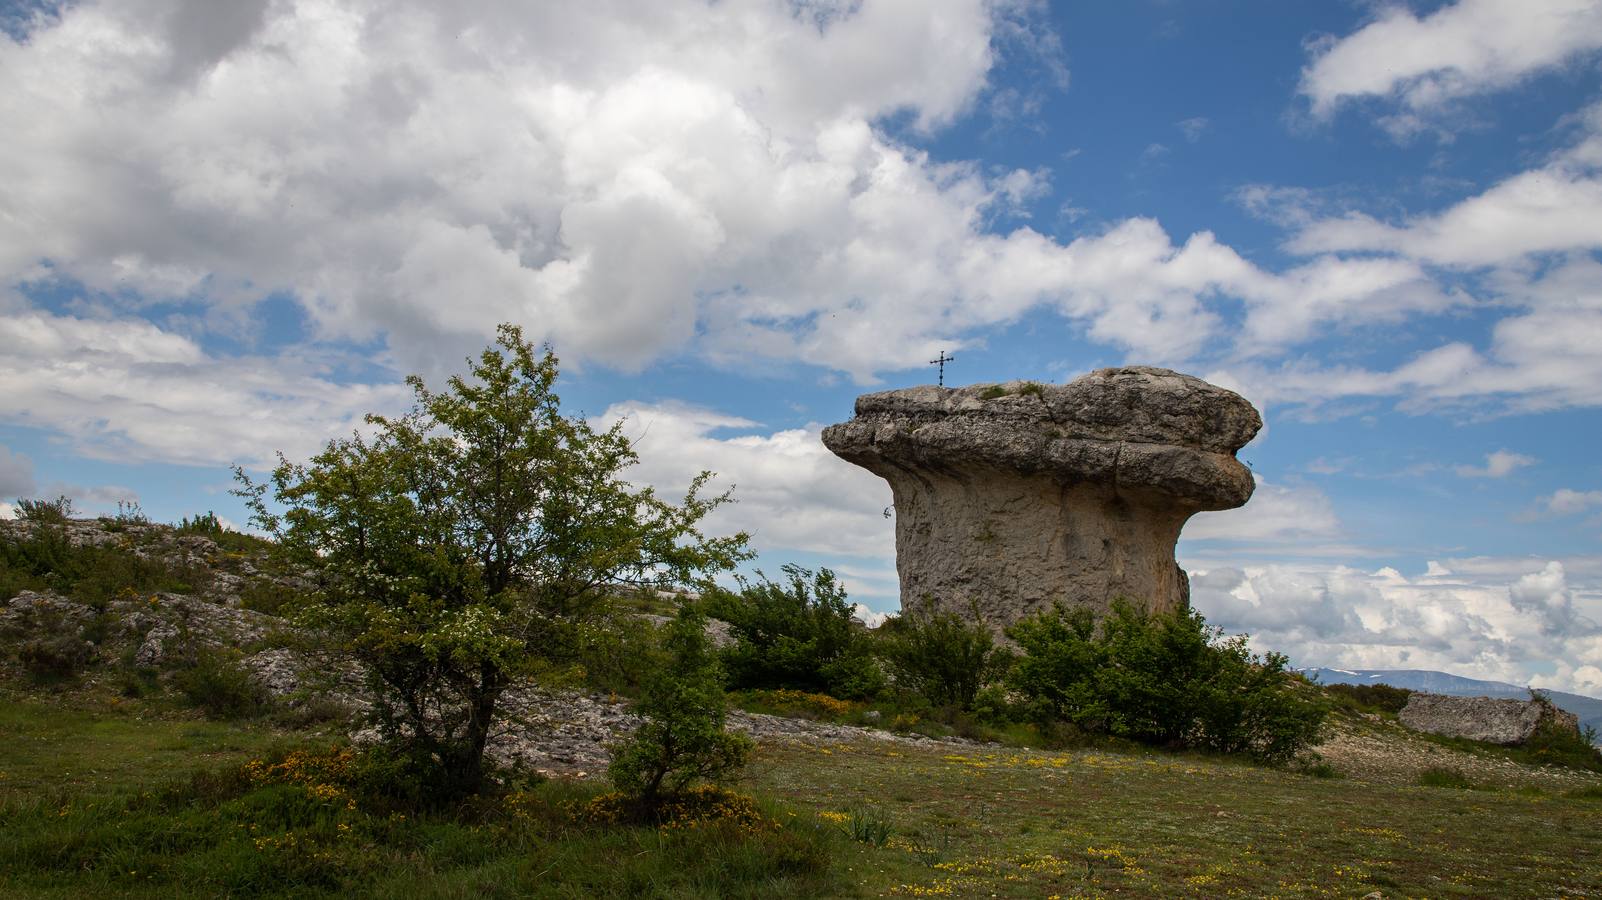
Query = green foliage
x=43 y=559
x=1371 y=698
x=212 y=680
x=618 y=654
x=1446 y=777
x=1032 y=389
x=992 y=392
x=868 y=826
x=796 y=634
x=207 y=525
x=48 y=644
x=1555 y=745
x=682 y=739
x=46 y=512
x=452 y=545
x=1164 y=679
x=301 y=823
x=130 y=513
x=944 y=657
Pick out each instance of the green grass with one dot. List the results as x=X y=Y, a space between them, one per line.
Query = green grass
x=1011 y=823
x=99 y=801
x=102 y=802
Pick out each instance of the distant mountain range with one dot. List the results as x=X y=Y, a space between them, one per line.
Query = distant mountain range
x=1589 y=709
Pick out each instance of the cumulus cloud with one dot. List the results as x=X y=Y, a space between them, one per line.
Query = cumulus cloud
x=1297 y=515
x=790 y=491
x=127 y=390
x=629 y=181
x=1425 y=63
x=1498 y=464
x=1498 y=618
x=1540 y=358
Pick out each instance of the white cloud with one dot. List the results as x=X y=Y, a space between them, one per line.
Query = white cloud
x=1542 y=358
x=791 y=493
x=127 y=390
x=1514 y=620
x=1568 y=502
x=1552 y=209
x=7 y=511
x=1462 y=49
x=628 y=181
x=1498 y=464
x=1294 y=514
x=869 y=617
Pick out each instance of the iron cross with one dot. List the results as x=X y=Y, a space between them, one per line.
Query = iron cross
x=941 y=362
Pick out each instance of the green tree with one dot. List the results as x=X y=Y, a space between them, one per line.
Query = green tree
x=682 y=738
x=453 y=545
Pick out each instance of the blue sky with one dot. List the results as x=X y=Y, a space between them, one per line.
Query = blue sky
x=228 y=229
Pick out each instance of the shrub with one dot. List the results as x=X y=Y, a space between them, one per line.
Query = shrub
x=1555 y=745
x=943 y=657
x=797 y=634
x=620 y=654
x=213 y=681
x=45 y=559
x=47 y=512
x=1444 y=776
x=1369 y=697
x=1165 y=679
x=50 y=645
x=868 y=826
x=682 y=739
x=207 y=525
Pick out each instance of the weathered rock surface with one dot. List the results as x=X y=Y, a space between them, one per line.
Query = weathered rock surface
x=1491 y=719
x=1012 y=496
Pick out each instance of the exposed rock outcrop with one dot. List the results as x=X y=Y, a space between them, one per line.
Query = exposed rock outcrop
x=1491 y=719
x=1012 y=496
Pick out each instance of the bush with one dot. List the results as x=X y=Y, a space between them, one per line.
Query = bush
x=1444 y=776
x=682 y=739
x=45 y=559
x=796 y=635
x=213 y=681
x=46 y=512
x=620 y=654
x=50 y=645
x=1552 y=744
x=1369 y=697
x=943 y=657
x=1163 y=679
x=207 y=525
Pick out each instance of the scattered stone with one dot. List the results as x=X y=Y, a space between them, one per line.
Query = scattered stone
x=1012 y=496
x=1495 y=720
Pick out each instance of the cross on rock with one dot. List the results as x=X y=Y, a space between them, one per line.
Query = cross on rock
x=941 y=362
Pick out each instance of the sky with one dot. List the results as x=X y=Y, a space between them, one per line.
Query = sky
x=232 y=229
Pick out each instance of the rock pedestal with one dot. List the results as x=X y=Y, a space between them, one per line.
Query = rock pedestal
x=1011 y=496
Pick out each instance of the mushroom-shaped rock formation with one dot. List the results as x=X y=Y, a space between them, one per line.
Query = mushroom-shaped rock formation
x=1011 y=496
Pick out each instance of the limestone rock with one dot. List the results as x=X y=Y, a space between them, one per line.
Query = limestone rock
x=1012 y=496
x=1491 y=719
